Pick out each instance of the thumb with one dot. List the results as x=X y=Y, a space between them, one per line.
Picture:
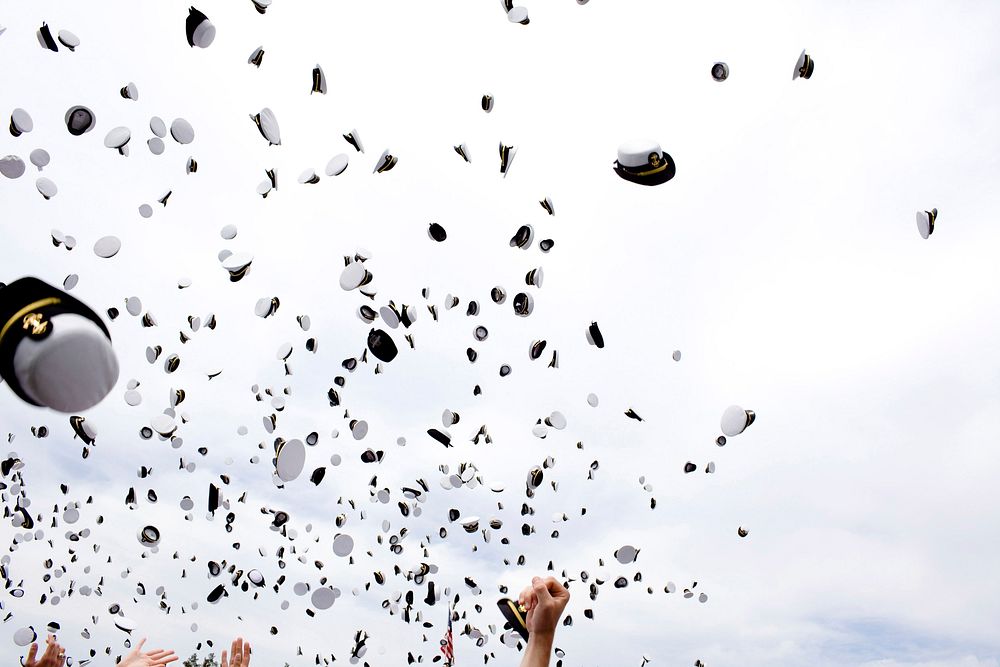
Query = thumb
x=541 y=590
x=225 y=659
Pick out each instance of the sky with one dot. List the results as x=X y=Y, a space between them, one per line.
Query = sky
x=783 y=261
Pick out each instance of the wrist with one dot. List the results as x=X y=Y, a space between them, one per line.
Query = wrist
x=546 y=636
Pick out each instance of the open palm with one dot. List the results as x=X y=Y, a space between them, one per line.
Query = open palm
x=155 y=658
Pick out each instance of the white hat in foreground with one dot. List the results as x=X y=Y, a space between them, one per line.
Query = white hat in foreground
x=54 y=350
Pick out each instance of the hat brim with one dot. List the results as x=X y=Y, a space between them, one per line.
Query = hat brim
x=643 y=176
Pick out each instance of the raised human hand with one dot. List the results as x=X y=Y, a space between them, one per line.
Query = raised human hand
x=545 y=600
x=54 y=656
x=239 y=654
x=155 y=658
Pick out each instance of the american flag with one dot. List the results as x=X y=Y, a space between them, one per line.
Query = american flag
x=448 y=643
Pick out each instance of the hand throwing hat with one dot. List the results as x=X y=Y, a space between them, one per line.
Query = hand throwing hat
x=644 y=163
x=54 y=350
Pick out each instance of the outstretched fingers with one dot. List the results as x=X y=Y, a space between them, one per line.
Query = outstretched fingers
x=30 y=660
x=51 y=651
x=160 y=657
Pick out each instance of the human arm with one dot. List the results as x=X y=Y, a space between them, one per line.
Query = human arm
x=544 y=601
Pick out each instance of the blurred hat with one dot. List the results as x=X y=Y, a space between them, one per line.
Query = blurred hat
x=130 y=91
x=267 y=124
x=20 y=122
x=354 y=139
x=12 y=166
x=644 y=163
x=45 y=38
x=337 y=164
x=68 y=39
x=200 y=31
x=256 y=57
x=506 y=157
x=804 y=66
x=925 y=222
x=79 y=120
x=518 y=15
x=318 y=80
x=385 y=163
x=54 y=350
x=736 y=419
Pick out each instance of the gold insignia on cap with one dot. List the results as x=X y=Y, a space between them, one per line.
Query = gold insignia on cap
x=35 y=324
x=27 y=313
x=657 y=163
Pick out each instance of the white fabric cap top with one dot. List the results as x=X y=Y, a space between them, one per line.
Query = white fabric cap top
x=268 y=126
x=68 y=39
x=337 y=164
x=12 y=166
x=924 y=224
x=518 y=15
x=203 y=35
x=46 y=187
x=734 y=420
x=181 y=131
x=636 y=153
x=157 y=126
x=21 y=120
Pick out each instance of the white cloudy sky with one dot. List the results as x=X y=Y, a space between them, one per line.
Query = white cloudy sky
x=783 y=261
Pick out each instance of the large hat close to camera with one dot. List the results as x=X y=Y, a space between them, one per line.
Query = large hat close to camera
x=54 y=350
x=644 y=163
